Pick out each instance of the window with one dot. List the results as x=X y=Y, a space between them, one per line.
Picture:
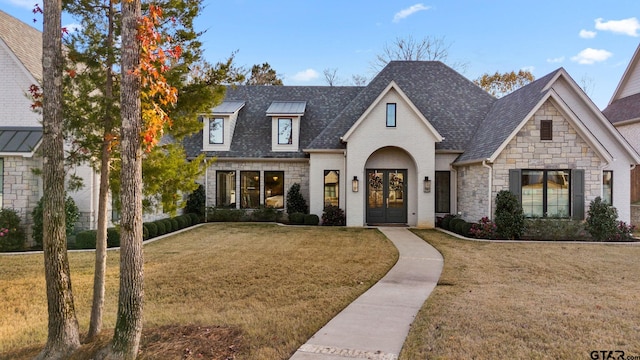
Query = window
x=391 y=115
x=250 y=189
x=226 y=189
x=274 y=189
x=216 y=131
x=546 y=130
x=443 y=192
x=545 y=193
x=607 y=187
x=331 y=187
x=285 y=131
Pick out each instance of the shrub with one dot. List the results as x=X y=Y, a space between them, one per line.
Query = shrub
x=296 y=218
x=295 y=200
x=175 y=224
x=446 y=220
x=509 y=217
x=311 y=219
x=86 y=239
x=554 y=229
x=463 y=228
x=196 y=202
x=225 y=215
x=168 y=225
x=162 y=229
x=145 y=232
x=113 y=237
x=195 y=218
x=454 y=223
x=153 y=229
x=12 y=237
x=333 y=216
x=602 y=220
x=484 y=229
x=71 y=216
x=265 y=214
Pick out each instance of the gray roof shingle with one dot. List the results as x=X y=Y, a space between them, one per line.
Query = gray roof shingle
x=25 y=42
x=627 y=108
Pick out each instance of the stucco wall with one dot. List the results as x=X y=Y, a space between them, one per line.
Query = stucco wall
x=15 y=106
x=294 y=172
x=318 y=163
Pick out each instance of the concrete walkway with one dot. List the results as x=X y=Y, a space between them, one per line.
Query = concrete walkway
x=377 y=323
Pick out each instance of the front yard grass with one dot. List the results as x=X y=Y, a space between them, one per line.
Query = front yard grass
x=263 y=287
x=529 y=301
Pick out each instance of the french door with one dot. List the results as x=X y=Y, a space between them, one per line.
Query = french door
x=386 y=196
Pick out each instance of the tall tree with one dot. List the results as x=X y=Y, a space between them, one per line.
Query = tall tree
x=263 y=75
x=63 y=336
x=408 y=48
x=501 y=84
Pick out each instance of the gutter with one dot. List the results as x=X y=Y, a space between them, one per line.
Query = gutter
x=486 y=165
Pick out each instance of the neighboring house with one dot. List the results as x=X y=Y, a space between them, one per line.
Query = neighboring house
x=21 y=127
x=419 y=141
x=624 y=113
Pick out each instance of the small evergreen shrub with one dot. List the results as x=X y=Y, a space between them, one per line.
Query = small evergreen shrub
x=296 y=218
x=162 y=229
x=333 y=216
x=195 y=218
x=145 y=232
x=295 y=200
x=86 y=239
x=311 y=219
x=187 y=220
x=603 y=225
x=153 y=229
x=264 y=214
x=509 y=217
x=454 y=223
x=225 y=215
x=113 y=237
x=196 y=202
x=463 y=228
x=168 y=225
x=554 y=229
x=446 y=220
x=12 y=237
x=72 y=214
x=175 y=224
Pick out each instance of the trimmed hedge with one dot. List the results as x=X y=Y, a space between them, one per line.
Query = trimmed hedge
x=225 y=215
x=153 y=229
x=296 y=218
x=87 y=239
x=311 y=219
x=162 y=228
x=195 y=218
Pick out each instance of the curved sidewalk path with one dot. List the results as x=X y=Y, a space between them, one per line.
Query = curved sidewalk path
x=376 y=324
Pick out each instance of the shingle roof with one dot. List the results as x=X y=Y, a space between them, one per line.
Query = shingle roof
x=627 y=108
x=19 y=139
x=25 y=42
x=503 y=118
x=252 y=135
x=451 y=103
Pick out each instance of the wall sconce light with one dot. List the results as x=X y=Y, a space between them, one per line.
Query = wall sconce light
x=354 y=184
x=427 y=184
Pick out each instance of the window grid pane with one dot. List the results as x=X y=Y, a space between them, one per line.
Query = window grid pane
x=285 y=131
x=226 y=189
x=250 y=189
x=331 y=187
x=532 y=193
x=274 y=189
x=216 y=131
x=557 y=194
x=391 y=115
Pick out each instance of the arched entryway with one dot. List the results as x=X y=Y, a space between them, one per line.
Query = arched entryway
x=389 y=187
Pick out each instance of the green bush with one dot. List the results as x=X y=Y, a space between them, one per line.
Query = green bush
x=311 y=219
x=296 y=218
x=333 y=216
x=554 y=229
x=484 y=229
x=153 y=229
x=113 y=237
x=71 y=212
x=86 y=239
x=602 y=220
x=12 y=237
x=168 y=225
x=195 y=218
x=145 y=232
x=509 y=217
x=196 y=202
x=454 y=223
x=265 y=214
x=225 y=215
x=463 y=228
x=175 y=224
x=162 y=228
x=186 y=219
x=446 y=220
x=295 y=200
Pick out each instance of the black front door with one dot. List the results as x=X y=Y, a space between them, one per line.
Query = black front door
x=386 y=196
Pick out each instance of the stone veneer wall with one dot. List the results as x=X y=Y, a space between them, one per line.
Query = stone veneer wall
x=567 y=150
x=294 y=172
x=473 y=194
x=21 y=188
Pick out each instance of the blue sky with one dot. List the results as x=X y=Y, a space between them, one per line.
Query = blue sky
x=592 y=39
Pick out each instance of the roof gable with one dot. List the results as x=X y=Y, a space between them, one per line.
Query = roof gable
x=624 y=106
x=392 y=86
x=24 y=41
x=630 y=82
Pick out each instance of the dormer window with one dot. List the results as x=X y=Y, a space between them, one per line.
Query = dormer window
x=285 y=124
x=216 y=131
x=219 y=126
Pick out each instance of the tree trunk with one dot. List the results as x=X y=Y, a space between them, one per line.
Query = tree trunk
x=95 y=324
x=63 y=337
x=126 y=338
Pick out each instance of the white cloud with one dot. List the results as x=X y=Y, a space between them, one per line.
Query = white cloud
x=409 y=11
x=586 y=34
x=628 y=26
x=590 y=56
x=27 y=4
x=555 y=60
x=306 y=75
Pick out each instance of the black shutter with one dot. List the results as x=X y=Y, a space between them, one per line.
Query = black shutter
x=577 y=191
x=515 y=183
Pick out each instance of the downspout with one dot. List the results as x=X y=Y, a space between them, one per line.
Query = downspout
x=485 y=164
x=206 y=188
